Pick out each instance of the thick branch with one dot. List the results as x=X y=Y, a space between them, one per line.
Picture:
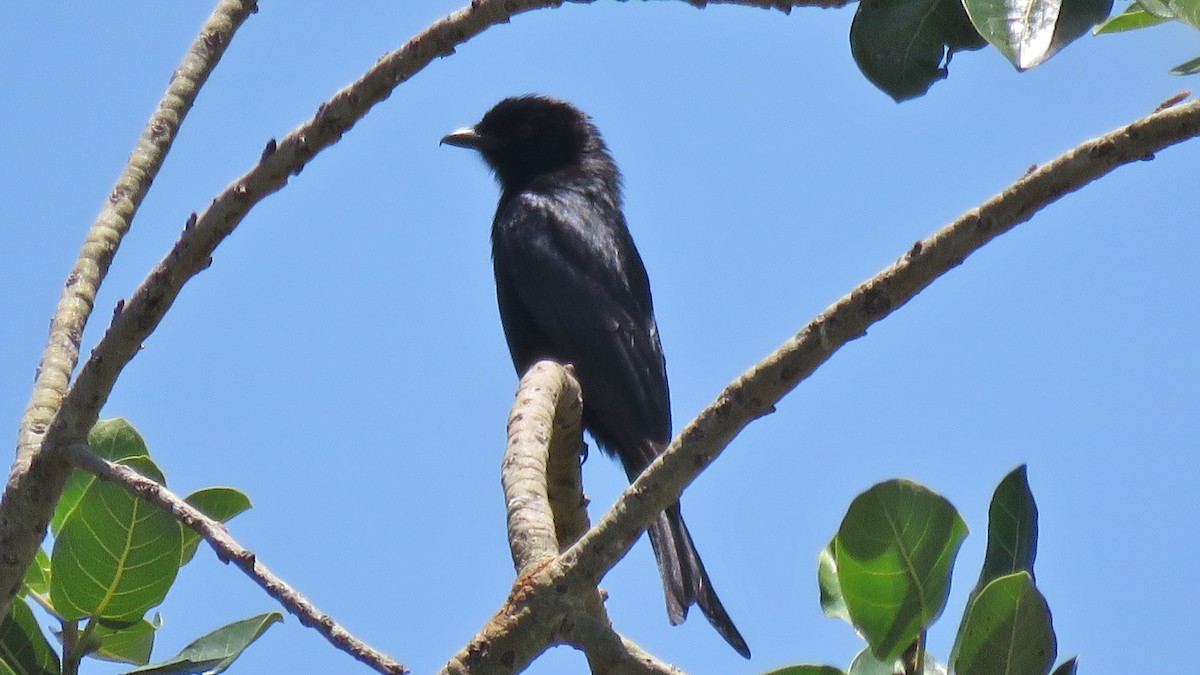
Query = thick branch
x=544 y=436
x=544 y=498
x=755 y=392
x=35 y=482
x=229 y=551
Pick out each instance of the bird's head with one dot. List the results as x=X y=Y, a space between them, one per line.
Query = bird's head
x=525 y=137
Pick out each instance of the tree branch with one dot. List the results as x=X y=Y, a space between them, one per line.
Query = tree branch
x=544 y=496
x=544 y=435
x=58 y=417
x=35 y=482
x=229 y=551
x=755 y=392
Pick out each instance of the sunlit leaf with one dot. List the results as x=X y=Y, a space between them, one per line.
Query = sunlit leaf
x=124 y=642
x=831 y=591
x=116 y=555
x=113 y=439
x=1134 y=16
x=218 y=503
x=1008 y=630
x=1028 y=32
x=894 y=550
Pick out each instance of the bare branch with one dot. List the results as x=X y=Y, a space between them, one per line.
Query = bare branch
x=544 y=434
x=35 y=482
x=755 y=392
x=542 y=488
x=229 y=551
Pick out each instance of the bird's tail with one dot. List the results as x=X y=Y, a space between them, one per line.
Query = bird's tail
x=684 y=580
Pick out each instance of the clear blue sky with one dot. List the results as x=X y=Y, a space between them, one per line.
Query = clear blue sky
x=342 y=360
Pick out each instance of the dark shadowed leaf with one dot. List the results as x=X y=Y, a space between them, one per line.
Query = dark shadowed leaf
x=904 y=46
x=1008 y=630
x=1012 y=536
x=1012 y=529
x=213 y=653
x=1067 y=667
x=1187 y=68
x=894 y=550
x=23 y=648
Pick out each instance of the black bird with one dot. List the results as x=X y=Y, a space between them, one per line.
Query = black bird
x=572 y=288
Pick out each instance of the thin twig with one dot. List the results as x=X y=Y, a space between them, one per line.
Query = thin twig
x=229 y=551
x=35 y=482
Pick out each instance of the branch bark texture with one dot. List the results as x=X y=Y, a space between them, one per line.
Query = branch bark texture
x=36 y=479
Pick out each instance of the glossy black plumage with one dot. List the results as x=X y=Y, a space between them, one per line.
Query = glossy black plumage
x=572 y=288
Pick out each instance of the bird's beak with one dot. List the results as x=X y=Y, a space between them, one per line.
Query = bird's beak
x=468 y=138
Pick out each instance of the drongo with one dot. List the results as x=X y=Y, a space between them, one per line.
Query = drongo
x=572 y=288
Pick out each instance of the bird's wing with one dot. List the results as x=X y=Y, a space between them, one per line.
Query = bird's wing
x=572 y=287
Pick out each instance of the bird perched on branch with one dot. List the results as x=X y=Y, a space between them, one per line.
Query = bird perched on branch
x=572 y=288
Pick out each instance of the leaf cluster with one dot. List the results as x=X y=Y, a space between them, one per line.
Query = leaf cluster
x=887 y=573
x=905 y=46
x=114 y=558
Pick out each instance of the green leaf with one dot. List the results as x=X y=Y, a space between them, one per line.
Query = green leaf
x=1028 y=32
x=805 y=669
x=113 y=439
x=124 y=642
x=23 y=648
x=116 y=555
x=1012 y=529
x=1067 y=667
x=1008 y=630
x=1187 y=11
x=894 y=550
x=832 y=602
x=1012 y=537
x=1187 y=68
x=214 y=652
x=904 y=46
x=865 y=663
x=1134 y=16
x=37 y=577
x=218 y=503
x=1159 y=8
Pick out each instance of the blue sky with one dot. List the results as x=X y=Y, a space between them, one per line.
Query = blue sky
x=342 y=360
